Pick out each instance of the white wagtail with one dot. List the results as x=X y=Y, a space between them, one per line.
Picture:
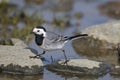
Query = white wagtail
x=51 y=41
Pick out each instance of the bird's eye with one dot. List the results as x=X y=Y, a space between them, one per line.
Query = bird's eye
x=38 y=30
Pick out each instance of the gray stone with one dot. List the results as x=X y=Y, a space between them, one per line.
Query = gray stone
x=80 y=67
x=109 y=31
x=15 y=59
x=102 y=42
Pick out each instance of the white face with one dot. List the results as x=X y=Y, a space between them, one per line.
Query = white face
x=39 y=31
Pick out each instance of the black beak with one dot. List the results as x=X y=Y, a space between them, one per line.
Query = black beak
x=32 y=33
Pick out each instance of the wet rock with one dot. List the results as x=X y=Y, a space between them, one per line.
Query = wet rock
x=115 y=71
x=101 y=43
x=80 y=67
x=81 y=78
x=15 y=59
x=20 y=77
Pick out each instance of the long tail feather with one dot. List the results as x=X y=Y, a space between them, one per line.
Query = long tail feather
x=77 y=36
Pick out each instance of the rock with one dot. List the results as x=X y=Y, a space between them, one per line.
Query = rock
x=102 y=42
x=20 y=77
x=80 y=67
x=109 y=31
x=15 y=59
x=115 y=71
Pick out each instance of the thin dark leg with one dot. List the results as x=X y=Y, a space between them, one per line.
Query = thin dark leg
x=118 y=50
x=38 y=56
x=41 y=54
x=65 y=57
x=52 y=60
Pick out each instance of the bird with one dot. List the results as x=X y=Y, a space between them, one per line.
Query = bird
x=49 y=41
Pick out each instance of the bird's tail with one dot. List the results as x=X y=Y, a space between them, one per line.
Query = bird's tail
x=76 y=36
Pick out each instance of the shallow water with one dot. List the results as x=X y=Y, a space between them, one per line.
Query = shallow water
x=91 y=17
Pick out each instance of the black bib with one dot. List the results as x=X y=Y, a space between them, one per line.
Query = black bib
x=39 y=39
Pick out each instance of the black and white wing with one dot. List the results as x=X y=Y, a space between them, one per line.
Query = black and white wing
x=53 y=37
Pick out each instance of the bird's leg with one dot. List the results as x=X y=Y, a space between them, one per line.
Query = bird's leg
x=66 y=60
x=38 y=56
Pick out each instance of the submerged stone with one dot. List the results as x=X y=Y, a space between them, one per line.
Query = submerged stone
x=115 y=70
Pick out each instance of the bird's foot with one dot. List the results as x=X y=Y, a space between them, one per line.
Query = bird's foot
x=36 y=57
x=66 y=62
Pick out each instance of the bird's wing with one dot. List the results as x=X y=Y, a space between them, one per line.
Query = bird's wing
x=53 y=37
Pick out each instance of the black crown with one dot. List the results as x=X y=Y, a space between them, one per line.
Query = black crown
x=41 y=27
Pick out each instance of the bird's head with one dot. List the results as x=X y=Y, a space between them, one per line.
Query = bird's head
x=39 y=30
